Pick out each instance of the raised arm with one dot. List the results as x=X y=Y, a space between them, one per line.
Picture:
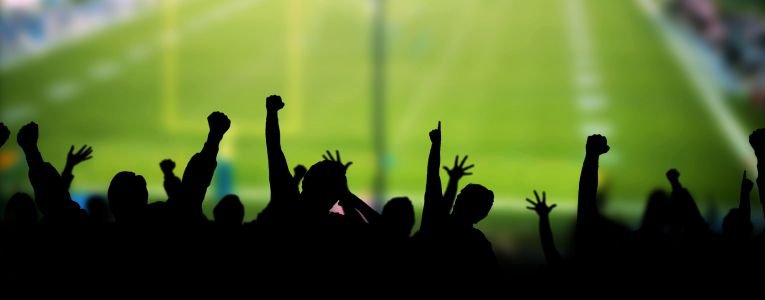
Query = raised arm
x=545 y=230
x=279 y=177
x=757 y=140
x=684 y=206
x=72 y=160
x=50 y=193
x=201 y=167
x=27 y=140
x=587 y=211
x=455 y=174
x=4 y=134
x=433 y=197
x=171 y=182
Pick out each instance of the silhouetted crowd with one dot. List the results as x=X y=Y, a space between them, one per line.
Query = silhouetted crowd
x=297 y=244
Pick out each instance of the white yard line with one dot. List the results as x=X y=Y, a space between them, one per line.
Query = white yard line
x=22 y=60
x=709 y=94
x=594 y=127
x=590 y=98
x=63 y=91
x=424 y=94
x=18 y=113
x=105 y=70
x=138 y=53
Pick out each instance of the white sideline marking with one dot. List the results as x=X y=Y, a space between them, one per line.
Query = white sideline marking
x=424 y=94
x=709 y=94
x=104 y=70
x=588 y=80
x=63 y=91
x=137 y=53
x=17 y=113
x=601 y=128
x=591 y=102
x=589 y=96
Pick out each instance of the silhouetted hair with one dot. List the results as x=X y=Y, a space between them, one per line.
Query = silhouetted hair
x=229 y=211
x=398 y=216
x=323 y=182
x=656 y=210
x=128 y=196
x=473 y=203
x=20 y=211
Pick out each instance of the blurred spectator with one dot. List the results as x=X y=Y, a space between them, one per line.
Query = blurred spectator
x=735 y=33
x=32 y=26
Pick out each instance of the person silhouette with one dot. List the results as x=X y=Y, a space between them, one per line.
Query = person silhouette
x=199 y=173
x=20 y=213
x=229 y=212
x=172 y=183
x=598 y=240
x=128 y=198
x=51 y=192
x=73 y=159
x=397 y=219
x=448 y=244
x=542 y=210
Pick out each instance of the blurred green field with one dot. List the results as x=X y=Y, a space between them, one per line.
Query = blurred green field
x=517 y=84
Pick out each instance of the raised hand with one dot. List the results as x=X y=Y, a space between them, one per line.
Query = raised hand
x=274 y=103
x=218 y=123
x=540 y=206
x=73 y=159
x=545 y=230
x=757 y=140
x=673 y=175
x=746 y=185
x=299 y=172
x=167 y=166
x=328 y=156
x=28 y=135
x=597 y=144
x=435 y=134
x=4 y=134
x=459 y=168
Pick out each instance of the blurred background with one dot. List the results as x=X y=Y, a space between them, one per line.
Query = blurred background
x=518 y=85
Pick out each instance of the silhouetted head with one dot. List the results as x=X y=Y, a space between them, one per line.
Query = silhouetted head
x=323 y=185
x=98 y=210
x=299 y=172
x=229 y=211
x=398 y=216
x=20 y=212
x=736 y=225
x=656 y=211
x=473 y=204
x=128 y=197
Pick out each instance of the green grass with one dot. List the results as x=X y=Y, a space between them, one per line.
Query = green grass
x=498 y=74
